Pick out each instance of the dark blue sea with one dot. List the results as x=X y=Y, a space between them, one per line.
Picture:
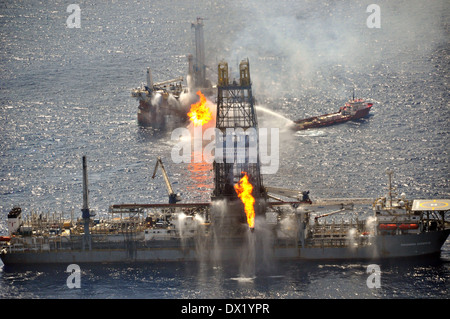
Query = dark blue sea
x=65 y=93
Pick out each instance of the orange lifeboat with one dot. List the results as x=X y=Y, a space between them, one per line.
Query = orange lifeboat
x=388 y=226
x=408 y=226
x=5 y=238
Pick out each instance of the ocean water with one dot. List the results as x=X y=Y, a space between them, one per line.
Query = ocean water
x=65 y=93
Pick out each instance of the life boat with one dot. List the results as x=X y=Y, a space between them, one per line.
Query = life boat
x=5 y=238
x=388 y=226
x=408 y=226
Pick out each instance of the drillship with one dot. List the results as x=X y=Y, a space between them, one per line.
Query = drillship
x=243 y=214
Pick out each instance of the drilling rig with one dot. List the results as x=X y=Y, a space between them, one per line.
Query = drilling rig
x=237 y=146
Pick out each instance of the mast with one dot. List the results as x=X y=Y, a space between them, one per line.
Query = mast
x=389 y=172
x=85 y=210
x=199 y=67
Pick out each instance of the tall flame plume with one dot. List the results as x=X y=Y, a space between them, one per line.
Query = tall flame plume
x=200 y=113
x=244 y=191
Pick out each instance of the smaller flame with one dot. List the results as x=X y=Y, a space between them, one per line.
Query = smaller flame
x=244 y=191
x=200 y=113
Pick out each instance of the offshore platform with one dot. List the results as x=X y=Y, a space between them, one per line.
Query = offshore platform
x=160 y=102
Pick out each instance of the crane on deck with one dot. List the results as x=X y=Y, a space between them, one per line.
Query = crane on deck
x=173 y=198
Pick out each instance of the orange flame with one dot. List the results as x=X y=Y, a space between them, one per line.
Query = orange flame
x=200 y=113
x=244 y=191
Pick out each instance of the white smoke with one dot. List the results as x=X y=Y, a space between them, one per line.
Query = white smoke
x=351 y=237
x=189 y=96
x=173 y=102
x=309 y=47
x=371 y=224
x=288 y=227
x=156 y=99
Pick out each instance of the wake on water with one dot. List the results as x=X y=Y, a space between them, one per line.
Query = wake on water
x=311 y=133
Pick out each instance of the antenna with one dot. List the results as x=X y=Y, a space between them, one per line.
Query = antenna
x=85 y=208
x=390 y=172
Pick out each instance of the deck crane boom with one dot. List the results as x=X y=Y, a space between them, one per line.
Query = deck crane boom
x=301 y=196
x=173 y=198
